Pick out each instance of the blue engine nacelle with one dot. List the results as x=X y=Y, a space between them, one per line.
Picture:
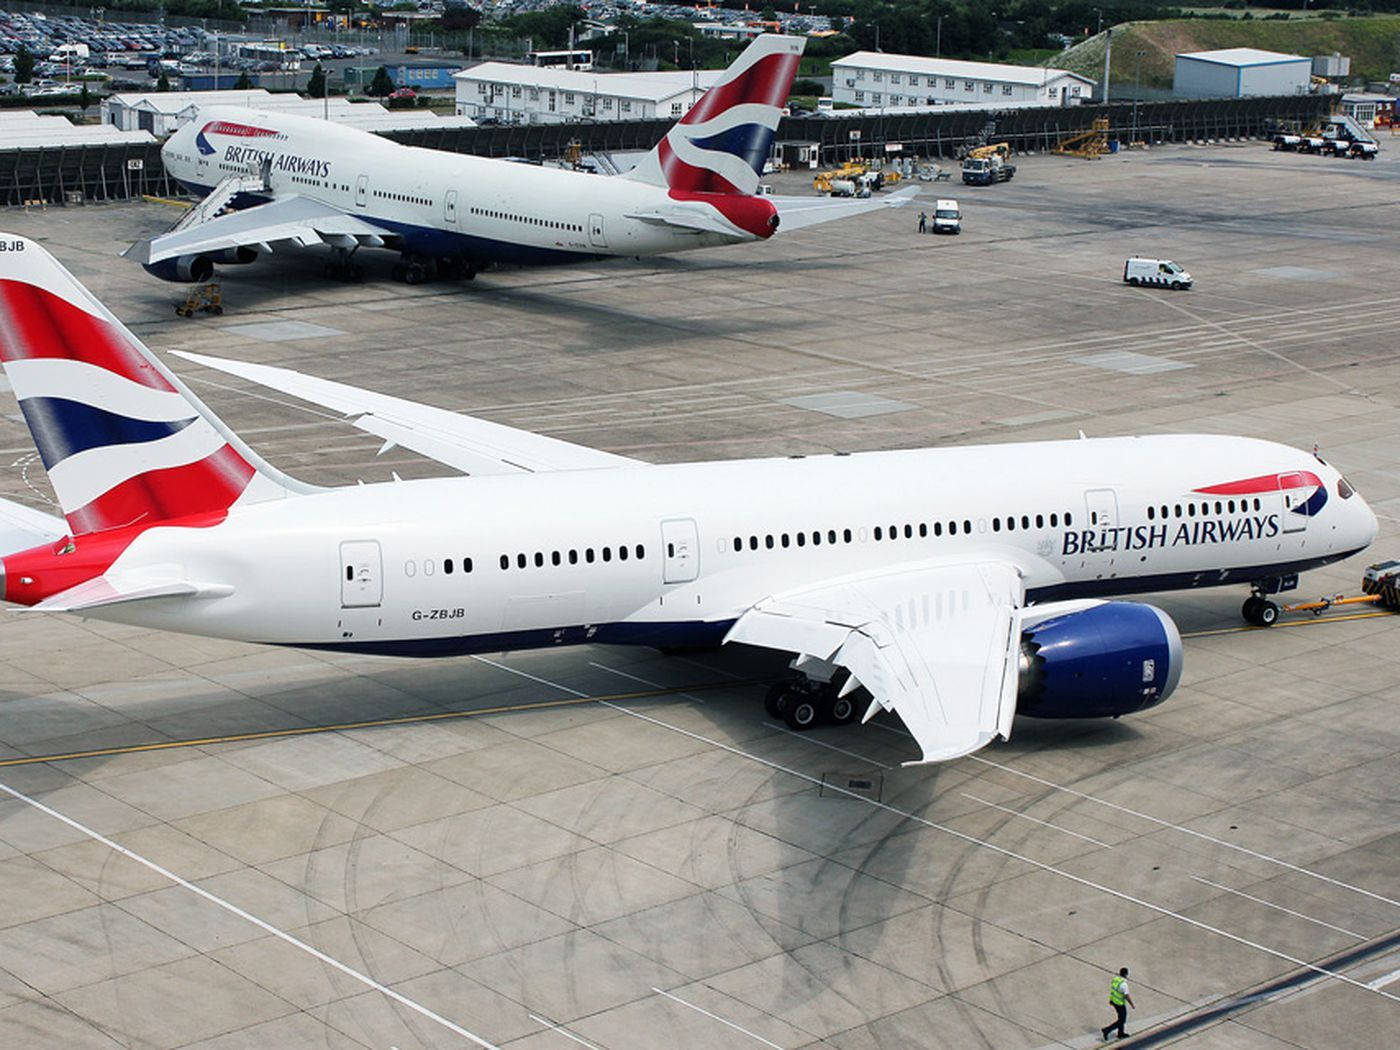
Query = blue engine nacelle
x=1104 y=661
x=196 y=269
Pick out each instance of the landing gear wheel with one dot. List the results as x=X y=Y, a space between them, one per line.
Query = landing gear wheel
x=1250 y=609
x=840 y=710
x=1267 y=614
x=399 y=272
x=776 y=699
x=415 y=275
x=800 y=711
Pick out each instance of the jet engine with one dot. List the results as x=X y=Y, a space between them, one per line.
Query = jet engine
x=1101 y=660
x=196 y=269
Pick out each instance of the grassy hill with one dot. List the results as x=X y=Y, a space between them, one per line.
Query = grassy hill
x=1372 y=43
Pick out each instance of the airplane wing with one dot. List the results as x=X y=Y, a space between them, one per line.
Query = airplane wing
x=938 y=643
x=794 y=213
x=287 y=221
x=473 y=446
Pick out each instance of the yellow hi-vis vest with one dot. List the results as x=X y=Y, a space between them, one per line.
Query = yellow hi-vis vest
x=1115 y=991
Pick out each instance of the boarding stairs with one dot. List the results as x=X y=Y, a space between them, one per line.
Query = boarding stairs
x=219 y=197
x=1347 y=128
x=606 y=164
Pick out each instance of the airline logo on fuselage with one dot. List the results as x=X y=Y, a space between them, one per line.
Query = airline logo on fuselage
x=1229 y=527
x=229 y=127
x=253 y=157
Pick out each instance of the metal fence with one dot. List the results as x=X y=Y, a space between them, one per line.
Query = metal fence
x=115 y=172
x=77 y=174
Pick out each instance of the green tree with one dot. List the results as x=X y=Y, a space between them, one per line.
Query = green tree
x=382 y=83
x=163 y=84
x=316 y=86
x=24 y=65
x=244 y=83
x=84 y=98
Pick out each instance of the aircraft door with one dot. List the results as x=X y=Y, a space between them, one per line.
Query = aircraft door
x=680 y=550
x=362 y=191
x=361 y=574
x=1295 y=494
x=596 y=236
x=449 y=207
x=1102 y=507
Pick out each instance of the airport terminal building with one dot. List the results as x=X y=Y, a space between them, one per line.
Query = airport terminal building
x=518 y=94
x=872 y=78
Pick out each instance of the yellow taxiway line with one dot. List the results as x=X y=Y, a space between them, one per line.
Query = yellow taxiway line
x=186 y=205
x=338 y=727
x=1289 y=623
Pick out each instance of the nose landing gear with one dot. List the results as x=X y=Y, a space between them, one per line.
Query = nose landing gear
x=1260 y=611
x=804 y=703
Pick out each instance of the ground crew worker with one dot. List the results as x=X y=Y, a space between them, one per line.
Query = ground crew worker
x=1120 y=1000
x=923 y=222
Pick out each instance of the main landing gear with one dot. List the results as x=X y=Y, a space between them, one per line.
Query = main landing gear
x=342 y=266
x=803 y=703
x=416 y=269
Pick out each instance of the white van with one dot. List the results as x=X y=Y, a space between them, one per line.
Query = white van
x=1161 y=272
x=946 y=216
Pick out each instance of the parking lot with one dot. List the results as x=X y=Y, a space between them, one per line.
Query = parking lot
x=616 y=848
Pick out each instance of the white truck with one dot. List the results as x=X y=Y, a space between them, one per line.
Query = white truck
x=1163 y=273
x=946 y=216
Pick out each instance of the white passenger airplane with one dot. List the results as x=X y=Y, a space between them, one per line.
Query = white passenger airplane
x=958 y=586
x=297 y=181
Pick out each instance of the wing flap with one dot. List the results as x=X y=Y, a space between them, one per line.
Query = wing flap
x=465 y=443
x=292 y=221
x=937 y=643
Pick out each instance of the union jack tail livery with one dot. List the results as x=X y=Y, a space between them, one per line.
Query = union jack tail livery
x=720 y=146
x=125 y=443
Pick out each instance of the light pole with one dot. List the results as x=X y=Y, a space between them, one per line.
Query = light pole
x=1137 y=88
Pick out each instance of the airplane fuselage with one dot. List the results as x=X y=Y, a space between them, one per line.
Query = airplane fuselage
x=436 y=204
x=672 y=554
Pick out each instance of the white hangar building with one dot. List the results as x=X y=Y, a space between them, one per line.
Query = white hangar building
x=516 y=94
x=872 y=78
x=1239 y=72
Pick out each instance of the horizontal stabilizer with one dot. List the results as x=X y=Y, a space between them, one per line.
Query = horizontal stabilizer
x=23 y=527
x=119 y=589
x=794 y=213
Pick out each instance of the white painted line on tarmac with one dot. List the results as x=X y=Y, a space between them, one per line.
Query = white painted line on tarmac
x=1168 y=824
x=1036 y=820
x=267 y=927
x=972 y=839
x=1279 y=907
x=717 y=1017
x=562 y=1031
x=640 y=680
x=822 y=743
x=1383 y=980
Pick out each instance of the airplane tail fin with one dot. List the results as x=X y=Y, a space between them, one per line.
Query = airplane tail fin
x=721 y=145
x=123 y=440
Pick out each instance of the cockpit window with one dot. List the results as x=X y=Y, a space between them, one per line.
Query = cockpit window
x=1344 y=488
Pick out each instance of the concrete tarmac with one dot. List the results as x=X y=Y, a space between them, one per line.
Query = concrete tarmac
x=664 y=867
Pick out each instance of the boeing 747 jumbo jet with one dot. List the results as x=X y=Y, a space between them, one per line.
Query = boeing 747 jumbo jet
x=298 y=181
x=958 y=586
